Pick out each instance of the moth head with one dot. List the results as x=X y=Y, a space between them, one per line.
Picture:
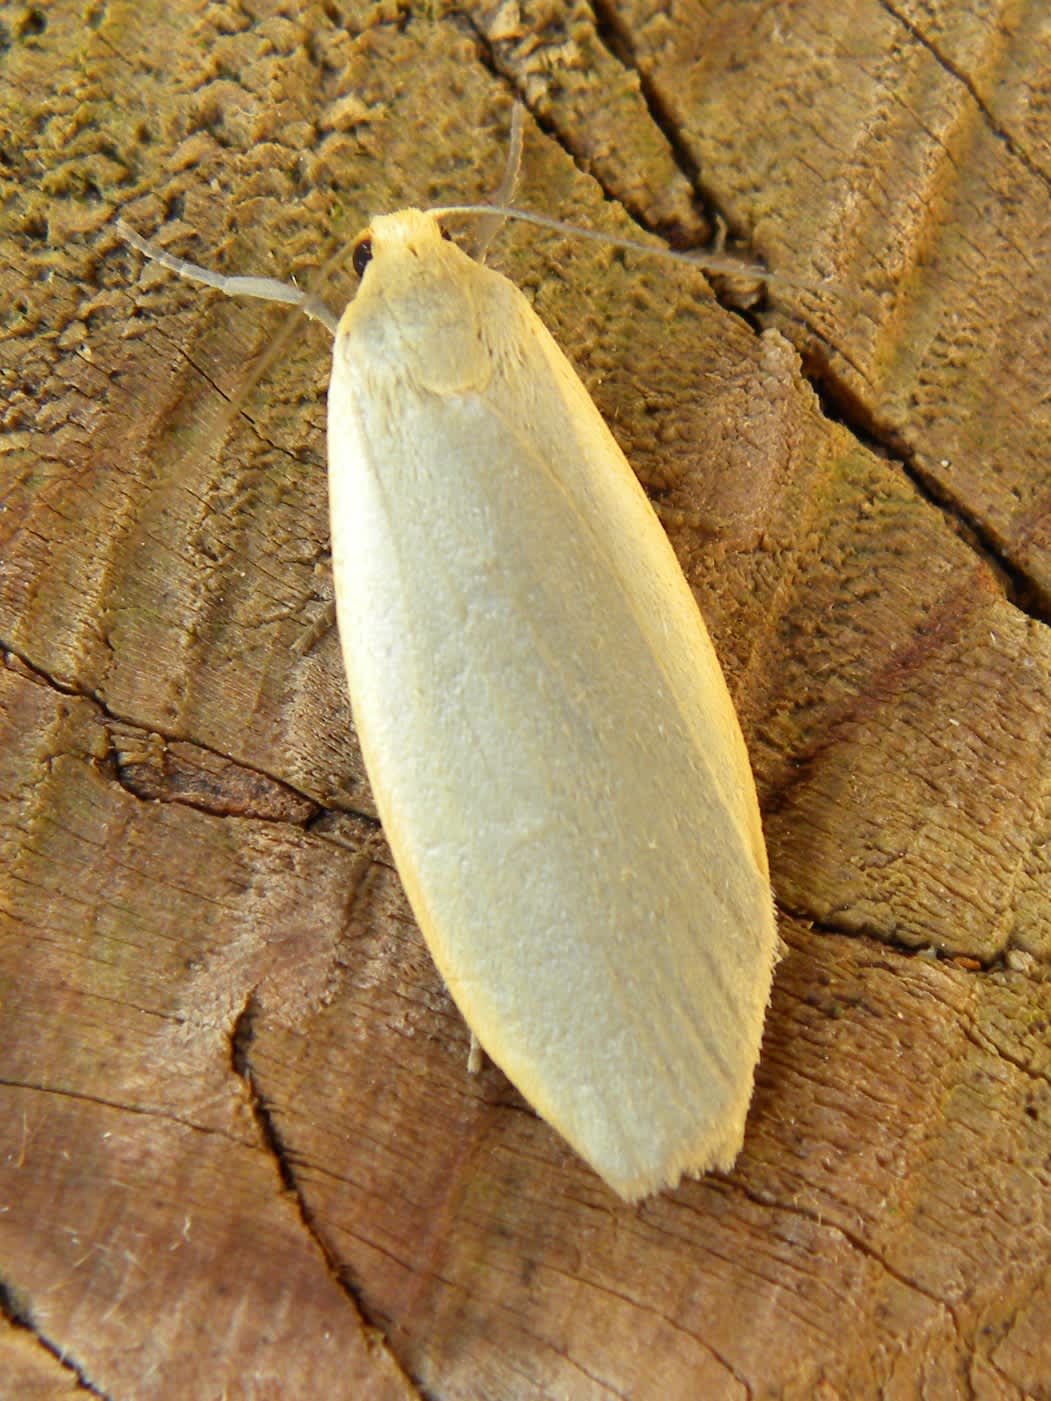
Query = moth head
x=362 y=250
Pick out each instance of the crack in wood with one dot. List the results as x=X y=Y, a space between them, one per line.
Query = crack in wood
x=16 y=1309
x=319 y=809
x=837 y=402
x=956 y=72
x=242 y=1037
x=144 y=1111
x=830 y=930
x=840 y=405
x=823 y=1222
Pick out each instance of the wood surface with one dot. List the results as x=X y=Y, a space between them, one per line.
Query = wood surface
x=241 y=1157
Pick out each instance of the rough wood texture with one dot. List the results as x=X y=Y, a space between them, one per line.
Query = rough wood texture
x=240 y=1155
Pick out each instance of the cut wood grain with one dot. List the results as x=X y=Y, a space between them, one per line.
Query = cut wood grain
x=240 y=1154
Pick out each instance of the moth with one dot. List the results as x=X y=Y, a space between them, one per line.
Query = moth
x=554 y=754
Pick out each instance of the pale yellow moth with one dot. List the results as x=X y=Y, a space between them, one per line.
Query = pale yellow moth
x=553 y=751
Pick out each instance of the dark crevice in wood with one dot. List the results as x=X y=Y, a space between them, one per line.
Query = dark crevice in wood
x=466 y=23
x=945 y=62
x=54 y=683
x=136 y=779
x=836 y=400
x=668 y=230
x=1019 y=589
x=69 y=688
x=617 y=41
x=961 y=959
x=612 y=33
x=16 y=1310
x=840 y=405
x=487 y=58
x=242 y=1037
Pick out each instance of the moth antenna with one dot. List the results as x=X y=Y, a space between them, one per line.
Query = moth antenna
x=720 y=263
x=267 y=289
x=505 y=193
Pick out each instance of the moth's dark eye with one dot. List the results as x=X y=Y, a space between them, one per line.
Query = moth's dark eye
x=362 y=255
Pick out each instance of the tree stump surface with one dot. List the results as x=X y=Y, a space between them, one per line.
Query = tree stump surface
x=241 y=1157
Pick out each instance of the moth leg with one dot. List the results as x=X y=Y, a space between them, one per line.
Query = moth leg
x=475 y=1056
x=315 y=631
